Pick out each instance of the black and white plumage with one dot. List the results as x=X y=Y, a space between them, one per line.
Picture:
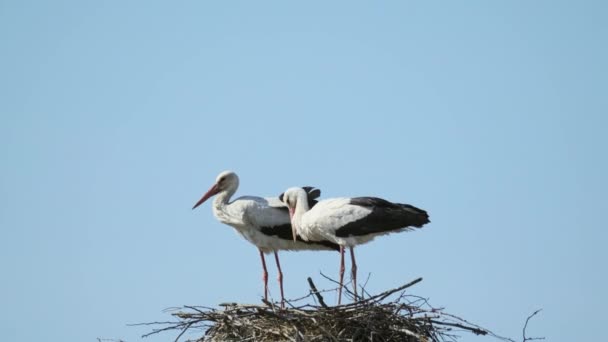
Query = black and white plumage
x=264 y=222
x=349 y=221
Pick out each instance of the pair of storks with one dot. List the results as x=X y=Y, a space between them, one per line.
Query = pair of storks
x=297 y=221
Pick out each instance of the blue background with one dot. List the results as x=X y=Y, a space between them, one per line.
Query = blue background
x=115 y=117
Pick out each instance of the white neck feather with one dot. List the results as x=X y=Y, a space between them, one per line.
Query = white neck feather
x=222 y=208
x=301 y=207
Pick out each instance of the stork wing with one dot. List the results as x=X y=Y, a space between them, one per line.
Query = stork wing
x=382 y=216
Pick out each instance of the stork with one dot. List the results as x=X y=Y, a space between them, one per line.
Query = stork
x=264 y=222
x=349 y=222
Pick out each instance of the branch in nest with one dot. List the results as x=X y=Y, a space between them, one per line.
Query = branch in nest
x=526 y=326
x=316 y=292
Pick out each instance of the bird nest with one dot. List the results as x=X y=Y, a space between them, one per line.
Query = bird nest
x=392 y=315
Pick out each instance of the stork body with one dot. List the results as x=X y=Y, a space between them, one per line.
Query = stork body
x=349 y=221
x=264 y=222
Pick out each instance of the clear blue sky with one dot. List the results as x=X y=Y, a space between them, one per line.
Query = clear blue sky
x=116 y=116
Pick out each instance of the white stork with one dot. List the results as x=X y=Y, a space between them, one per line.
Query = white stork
x=264 y=222
x=349 y=222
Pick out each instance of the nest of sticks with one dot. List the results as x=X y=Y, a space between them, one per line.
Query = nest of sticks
x=393 y=315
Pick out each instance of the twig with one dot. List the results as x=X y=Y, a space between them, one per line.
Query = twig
x=363 y=292
x=400 y=288
x=475 y=330
x=314 y=290
x=526 y=326
x=183 y=331
x=385 y=294
x=344 y=286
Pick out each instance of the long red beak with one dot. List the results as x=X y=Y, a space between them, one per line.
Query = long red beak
x=214 y=190
x=293 y=227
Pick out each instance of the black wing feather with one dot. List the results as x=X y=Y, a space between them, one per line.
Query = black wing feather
x=284 y=232
x=312 y=194
x=385 y=216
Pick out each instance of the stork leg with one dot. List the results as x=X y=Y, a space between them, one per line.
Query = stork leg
x=264 y=275
x=353 y=270
x=280 y=279
x=341 y=274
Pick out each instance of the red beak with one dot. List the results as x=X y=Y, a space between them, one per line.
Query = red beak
x=214 y=190
x=293 y=228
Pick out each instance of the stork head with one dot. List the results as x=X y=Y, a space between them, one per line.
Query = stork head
x=291 y=197
x=226 y=181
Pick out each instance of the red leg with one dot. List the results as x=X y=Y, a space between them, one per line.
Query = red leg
x=264 y=275
x=280 y=279
x=341 y=274
x=353 y=270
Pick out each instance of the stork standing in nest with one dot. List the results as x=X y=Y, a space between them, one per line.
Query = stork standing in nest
x=264 y=222
x=349 y=222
